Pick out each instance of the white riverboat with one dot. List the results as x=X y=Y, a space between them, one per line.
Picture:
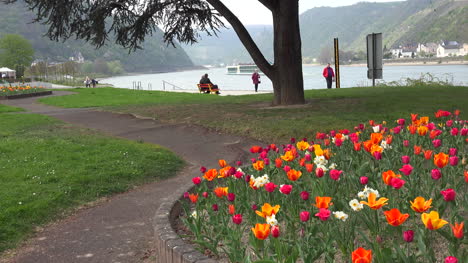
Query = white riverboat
x=242 y=69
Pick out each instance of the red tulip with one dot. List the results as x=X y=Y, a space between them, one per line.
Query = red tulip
x=406 y=169
x=451 y=260
x=405 y=159
x=275 y=232
x=285 y=189
x=270 y=187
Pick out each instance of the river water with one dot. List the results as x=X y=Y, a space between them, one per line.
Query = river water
x=351 y=76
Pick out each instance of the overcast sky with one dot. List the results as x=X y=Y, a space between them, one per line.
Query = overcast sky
x=251 y=12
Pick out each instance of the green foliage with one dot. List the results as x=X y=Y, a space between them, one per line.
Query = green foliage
x=49 y=167
x=15 y=50
x=4 y=108
x=155 y=55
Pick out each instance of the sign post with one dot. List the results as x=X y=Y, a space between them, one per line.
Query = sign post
x=374 y=56
x=337 y=64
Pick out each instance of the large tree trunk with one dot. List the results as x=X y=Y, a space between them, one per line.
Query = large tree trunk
x=287 y=79
x=286 y=73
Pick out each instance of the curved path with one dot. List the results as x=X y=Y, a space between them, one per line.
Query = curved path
x=119 y=229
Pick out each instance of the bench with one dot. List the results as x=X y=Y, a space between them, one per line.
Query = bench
x=203 y=88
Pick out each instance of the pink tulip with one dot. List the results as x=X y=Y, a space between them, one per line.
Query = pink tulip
x=405 y=159
x=270 y=187
x=323 y=214
x=304 y=195
x=406 y=169
x=449 y=194
x=408 y=236
x=205 y=194
x=196 y=180
x=401 y=122
x=449 y=123
x=436 y=174
x=319 y=172
x=437 y=143
x=275 y=232
x=237 y=219
x=454 y=131
x=285 y=189
x=453 y=151
x=453 y=160
x=406 y=143
x=377 y=155
x=286 y=168
x=335 y=174
x=364 y=180
x=397 y=183
x=304 y=216
x=451 y=260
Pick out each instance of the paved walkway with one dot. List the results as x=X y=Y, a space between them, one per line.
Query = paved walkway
x=119 y=229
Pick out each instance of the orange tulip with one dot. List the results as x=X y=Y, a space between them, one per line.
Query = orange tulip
x=424 y=120
x=427 y=154
x=309 y=167
x=432 y=220
x=224 y=172
x=441 y=159
x=302 y=162
x=420 y=204
x=322 y=202
x=417 y=149
x=193 y=198
x=388 y=176
x=414 y=117
x=422 y=130
x=373 y=203
x=457 y=230
x=261 y=231
x=268 y=210
x=367 y=145
x=210 y=175
x=376 y=138
x=278 y=163
x=357 y=146
x=293 y=175
x=389 y=139
x=288 y=156
x=222 y=163
x=361 y=255
x=258 y=165
x=232 y=209
x=465 y=174
x=221 y=191
x=302 y=145
x=327 y=154
x=395 y=217
x=412 y=129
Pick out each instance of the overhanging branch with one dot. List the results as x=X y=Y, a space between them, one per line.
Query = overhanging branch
x=244 y=37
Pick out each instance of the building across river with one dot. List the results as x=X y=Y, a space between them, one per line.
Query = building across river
x=242 y=69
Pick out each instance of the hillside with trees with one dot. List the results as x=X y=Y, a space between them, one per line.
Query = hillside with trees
x=153 y=57
x=401 y=23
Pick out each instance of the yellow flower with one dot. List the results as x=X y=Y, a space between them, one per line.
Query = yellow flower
x=302 y=145
x=432 y=220
x=318 y=150
x=420 y=204
x=373 y=203
x=268 y=210
x=288 y=156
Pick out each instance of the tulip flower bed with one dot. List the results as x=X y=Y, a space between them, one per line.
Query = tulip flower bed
x=385 y=192
x=19 y=90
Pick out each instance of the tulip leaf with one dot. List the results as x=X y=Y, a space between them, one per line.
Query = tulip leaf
x=264 y=261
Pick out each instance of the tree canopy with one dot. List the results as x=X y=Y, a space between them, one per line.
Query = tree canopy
x=131 y=20
x=15 y=50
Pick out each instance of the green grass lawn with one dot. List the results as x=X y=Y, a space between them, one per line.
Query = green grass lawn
x=48 y=167
x=252 y=116
x=4 y=108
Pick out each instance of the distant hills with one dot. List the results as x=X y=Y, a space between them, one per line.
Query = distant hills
x=155 y=56
x=401 y=23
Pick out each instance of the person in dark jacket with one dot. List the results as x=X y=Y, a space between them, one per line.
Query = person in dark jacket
x=206 y=80
x=329 y=75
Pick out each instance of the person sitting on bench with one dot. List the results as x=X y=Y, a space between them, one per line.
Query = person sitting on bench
x=206 y=80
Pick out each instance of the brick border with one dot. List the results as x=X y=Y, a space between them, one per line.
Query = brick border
x=169 y=246
x=27 y=95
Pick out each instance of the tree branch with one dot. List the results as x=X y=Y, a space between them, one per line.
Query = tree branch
x=244 y=36
x=270 y=4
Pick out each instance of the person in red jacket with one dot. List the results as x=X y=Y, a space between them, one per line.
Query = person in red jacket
x=329 y=75
x=256 y=79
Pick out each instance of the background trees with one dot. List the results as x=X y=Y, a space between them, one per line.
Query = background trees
x=16 y=53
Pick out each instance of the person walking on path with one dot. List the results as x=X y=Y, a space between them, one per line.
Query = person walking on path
x=329 y=75
x=256 y=79
x=87 y=82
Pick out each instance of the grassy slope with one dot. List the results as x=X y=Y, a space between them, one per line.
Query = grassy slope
x=47 y=167
x=251 y=115
x=4 y=108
